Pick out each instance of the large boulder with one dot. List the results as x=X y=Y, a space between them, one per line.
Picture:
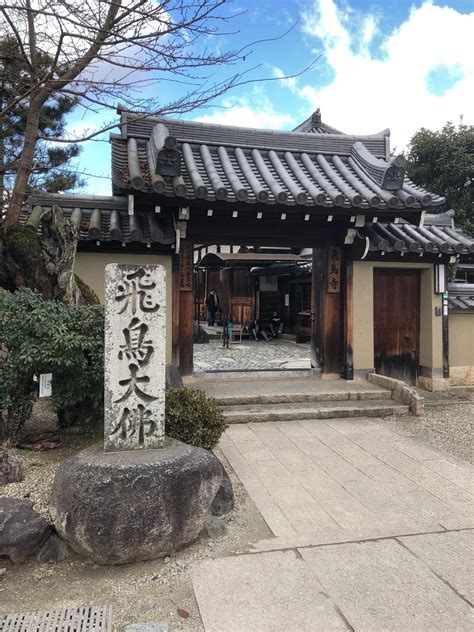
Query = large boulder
x=119 y=507
x=22 y=529
x=223 y=502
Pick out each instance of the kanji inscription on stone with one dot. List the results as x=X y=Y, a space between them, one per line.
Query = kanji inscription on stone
x=135 y=342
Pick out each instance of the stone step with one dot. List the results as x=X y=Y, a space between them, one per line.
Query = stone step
x=312 y=410
x=232 y=374
x=300 y=397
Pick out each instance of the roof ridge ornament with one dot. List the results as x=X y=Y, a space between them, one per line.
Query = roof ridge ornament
x=164 y=148
x=316 y=118
x=389 y=175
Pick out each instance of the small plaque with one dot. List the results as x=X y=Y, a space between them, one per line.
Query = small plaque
x=334 y=270
x=45 y=380
x=186 y=266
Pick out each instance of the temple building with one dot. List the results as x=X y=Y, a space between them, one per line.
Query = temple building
x=327 y=223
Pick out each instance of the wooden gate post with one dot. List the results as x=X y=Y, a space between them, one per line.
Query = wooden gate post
x=186 y=311
x=326 y=309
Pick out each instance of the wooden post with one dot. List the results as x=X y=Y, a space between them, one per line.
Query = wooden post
x=348 y=363
x=317 y=351
x=445 y=326
x=326 y=309
x=186 y=308
x=175 y=305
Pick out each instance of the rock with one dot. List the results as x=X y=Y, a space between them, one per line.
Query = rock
x=152 y=626
x=128 y=506
x=54 y=550
x=173 y=378
x=167 y=559
x=3 y=572
x=223 y=503
x=215 y=527
x=11 y=469
x=22 y=530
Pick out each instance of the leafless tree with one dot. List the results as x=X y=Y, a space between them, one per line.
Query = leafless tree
x=108 y=51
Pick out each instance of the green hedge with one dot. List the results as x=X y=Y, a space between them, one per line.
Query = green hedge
x=194 y=418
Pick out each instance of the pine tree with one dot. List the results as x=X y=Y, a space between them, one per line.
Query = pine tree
x=52 y=170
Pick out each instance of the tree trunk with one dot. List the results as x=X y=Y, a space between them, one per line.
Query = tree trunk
x=11 y=470
x=26 y=162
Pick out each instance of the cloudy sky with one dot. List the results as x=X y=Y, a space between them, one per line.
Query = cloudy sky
x=389 y=63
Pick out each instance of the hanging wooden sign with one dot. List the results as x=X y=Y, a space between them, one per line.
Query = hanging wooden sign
x=334 y=270
x=186 y=266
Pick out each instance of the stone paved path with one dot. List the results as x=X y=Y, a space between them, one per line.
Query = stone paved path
x=373 y=531
x=250 y=354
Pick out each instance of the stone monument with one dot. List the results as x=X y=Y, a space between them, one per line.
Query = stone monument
x=142 y=495
x=135 y=367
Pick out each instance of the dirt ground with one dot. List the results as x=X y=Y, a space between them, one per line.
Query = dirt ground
x=142 y=592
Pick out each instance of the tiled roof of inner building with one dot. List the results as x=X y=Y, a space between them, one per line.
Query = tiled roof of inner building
x=437 y=236
x=197 y=161
x=461 y=296
x=212 y=259
x=103 y=218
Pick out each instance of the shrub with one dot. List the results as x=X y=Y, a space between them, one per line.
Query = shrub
x=193 y=418
x=41 y=336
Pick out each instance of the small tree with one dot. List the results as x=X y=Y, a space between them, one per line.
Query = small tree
x=101 y=51
x=443 y=162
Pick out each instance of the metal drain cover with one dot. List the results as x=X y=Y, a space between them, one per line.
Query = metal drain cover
x=81 y=619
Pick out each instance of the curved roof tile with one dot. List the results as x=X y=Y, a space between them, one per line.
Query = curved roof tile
x=216 y=162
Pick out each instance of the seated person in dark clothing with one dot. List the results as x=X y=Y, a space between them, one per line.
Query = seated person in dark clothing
x=256 y=331
x=276 y=325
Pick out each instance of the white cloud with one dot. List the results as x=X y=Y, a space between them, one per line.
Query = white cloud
x=255 y=111
x=370 y=92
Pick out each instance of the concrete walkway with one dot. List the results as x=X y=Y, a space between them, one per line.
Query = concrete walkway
x=373 y=531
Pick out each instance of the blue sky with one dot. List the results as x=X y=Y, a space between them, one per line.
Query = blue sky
x=391 y=63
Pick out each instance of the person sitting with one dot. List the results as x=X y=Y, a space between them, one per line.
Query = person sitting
x=256 y=331
x=276 y=325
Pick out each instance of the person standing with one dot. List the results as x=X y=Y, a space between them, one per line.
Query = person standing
x=212 y=303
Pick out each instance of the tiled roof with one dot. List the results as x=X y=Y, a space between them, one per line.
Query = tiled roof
x=186 y=160
x=216 y=259
x=295 y=269
x=104 y=218
x=437 y=236
x=461 y=296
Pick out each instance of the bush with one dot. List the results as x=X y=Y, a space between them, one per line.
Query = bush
x=41 y=336
x=193 y=418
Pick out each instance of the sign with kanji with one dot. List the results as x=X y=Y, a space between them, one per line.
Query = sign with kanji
x=334 y=270
x=186 y=266
x=45 y=380
x=135 y=342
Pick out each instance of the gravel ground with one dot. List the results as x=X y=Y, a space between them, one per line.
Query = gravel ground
x=449 y=428
x=142 y=592
x=250 y=354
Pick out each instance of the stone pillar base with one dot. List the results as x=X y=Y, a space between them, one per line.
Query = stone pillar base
x=119 y=507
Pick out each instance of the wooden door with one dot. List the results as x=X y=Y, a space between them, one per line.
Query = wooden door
x=397 y=323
